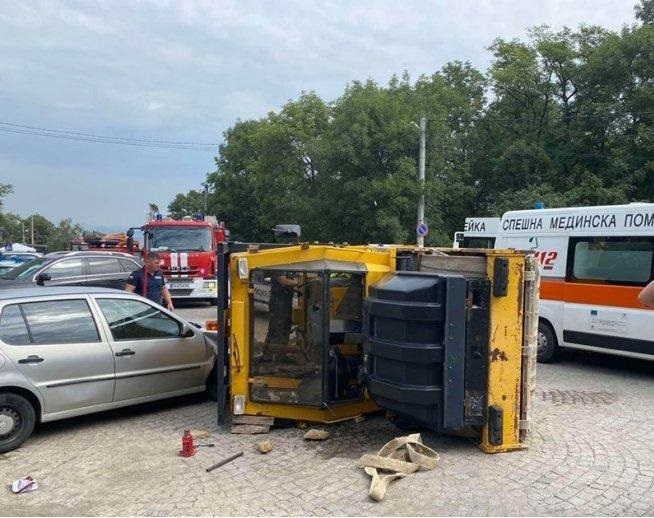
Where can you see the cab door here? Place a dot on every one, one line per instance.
(152, 357)
(56, 346)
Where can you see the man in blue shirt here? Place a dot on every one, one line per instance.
(149, 282)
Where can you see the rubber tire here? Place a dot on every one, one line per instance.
(24, 411)
(548, 347)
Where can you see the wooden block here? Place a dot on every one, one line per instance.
(253, 419)
(250, 428)
(199, 434)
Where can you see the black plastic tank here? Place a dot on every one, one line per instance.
(415, 324)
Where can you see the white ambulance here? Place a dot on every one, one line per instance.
(477, 233)
(594, 262)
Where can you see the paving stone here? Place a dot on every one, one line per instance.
(591, 454)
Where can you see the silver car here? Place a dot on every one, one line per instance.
(67, 351)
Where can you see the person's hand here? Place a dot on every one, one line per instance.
(170, 307)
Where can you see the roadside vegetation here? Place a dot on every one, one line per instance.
(17, 229)
(565, 117)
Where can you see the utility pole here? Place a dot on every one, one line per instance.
(206, 194)
(32, 221)
(420, 240)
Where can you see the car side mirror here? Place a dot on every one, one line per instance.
(42, 277)
(186, 330)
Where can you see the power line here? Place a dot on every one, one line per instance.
(9, 127)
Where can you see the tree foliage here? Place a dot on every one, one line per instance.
(564, 117)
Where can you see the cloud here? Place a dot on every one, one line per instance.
(186, 70)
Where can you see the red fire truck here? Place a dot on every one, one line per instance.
(188, 249)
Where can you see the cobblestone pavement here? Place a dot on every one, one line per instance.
(591, 454)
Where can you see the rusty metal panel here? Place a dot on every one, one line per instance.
(462, 264)
(529, 346)
(505, 361)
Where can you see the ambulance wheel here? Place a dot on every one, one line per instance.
(547, 344)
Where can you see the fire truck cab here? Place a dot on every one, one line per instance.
(188, 250)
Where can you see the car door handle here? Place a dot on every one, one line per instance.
(126, 352)
(32, 358)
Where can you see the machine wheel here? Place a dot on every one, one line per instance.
(547, 344)
(17, 420)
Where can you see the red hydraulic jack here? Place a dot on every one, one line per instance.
(188, 449)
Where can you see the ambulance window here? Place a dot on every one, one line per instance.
(478, 242)
(620, 260)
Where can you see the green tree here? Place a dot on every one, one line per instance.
(12, 228)
(370, 182)
(645, 11)
(268, 172)
(187, 204)
(62, 235)
(5, 190)
(563, 117)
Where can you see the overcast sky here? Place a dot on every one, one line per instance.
(185, 71)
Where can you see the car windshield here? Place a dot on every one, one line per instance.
(179, 239)
(5, 269)
(26, 269)
(20, 257)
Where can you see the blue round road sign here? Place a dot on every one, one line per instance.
(422, 230)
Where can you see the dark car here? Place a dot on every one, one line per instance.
(100, 269)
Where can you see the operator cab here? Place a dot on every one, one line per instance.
(307, 341)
